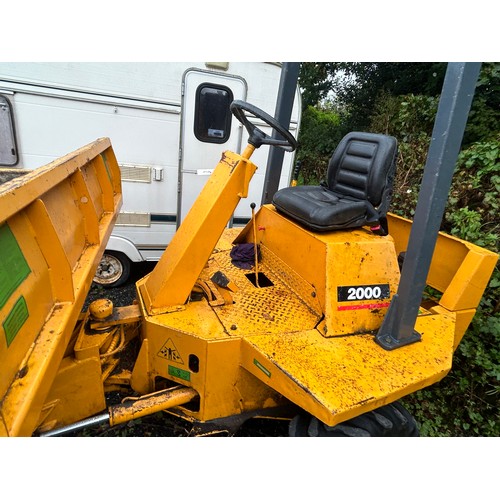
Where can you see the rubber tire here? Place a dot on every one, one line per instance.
(392, 420)
(124, 262)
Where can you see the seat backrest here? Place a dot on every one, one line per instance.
(363, 167)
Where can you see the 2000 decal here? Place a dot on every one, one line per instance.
(363, 292)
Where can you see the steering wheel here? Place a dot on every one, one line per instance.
(256, 136)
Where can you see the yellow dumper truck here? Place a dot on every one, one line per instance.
(306, 313)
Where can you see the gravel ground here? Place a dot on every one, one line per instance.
(123, 295)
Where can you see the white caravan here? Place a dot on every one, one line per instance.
(168, 124)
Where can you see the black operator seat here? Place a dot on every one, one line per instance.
(357, 191)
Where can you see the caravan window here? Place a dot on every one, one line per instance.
(212, 116)
(8, 150)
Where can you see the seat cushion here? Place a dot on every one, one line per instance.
(362, 166)
(319, 209)
(358, 191)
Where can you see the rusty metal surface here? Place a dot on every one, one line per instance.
(7, 174)
(132, 408)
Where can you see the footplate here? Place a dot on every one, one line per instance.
(339, 378)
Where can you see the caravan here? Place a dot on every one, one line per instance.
(167, 122)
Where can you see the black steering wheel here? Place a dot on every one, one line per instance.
(256, 136)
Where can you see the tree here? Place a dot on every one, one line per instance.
(315, 80)
(320, 132)
(340, 97)
(484, 117)
(355, 87)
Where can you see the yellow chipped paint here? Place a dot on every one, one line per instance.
(289, 341)
(306, 337)
(338, 378)
(61, 216)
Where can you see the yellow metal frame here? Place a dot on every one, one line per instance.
(459, 270)
(179, 267)
(276, 335)
(57, 220)
(251, 355)
(322, 356)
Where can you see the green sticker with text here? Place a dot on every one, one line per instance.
(179, 373)
(13, 266)
(15, 320)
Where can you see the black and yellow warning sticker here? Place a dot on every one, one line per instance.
(13, 266)
(170, 352)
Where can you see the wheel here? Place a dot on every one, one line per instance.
(392, 420)
(256, 136)
(113, 270)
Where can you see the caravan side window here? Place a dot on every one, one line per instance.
(8, 149)
(212, 116)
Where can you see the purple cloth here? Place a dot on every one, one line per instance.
(243, 255)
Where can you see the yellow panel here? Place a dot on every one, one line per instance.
(170, 284)
(330, 261)
(68, 223)
(60, 240)
(76, 393)
(36, 290)
(305, 252)
(470, 280)
(197, 331)
(462, 321)
(362, 277)
(341, 377)
(93, 186)
(459, 269)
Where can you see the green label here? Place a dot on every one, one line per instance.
(13, 266)
(260, 367)
(179, 373)
(15, 320)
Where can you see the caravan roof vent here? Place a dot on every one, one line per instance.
(217, 65)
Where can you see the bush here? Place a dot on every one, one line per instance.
(473, 206)
(410, 119)
(465, 403)
(319, 135)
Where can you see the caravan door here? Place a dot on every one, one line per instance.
(208, 128)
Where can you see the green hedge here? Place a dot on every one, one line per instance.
(465, 403)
